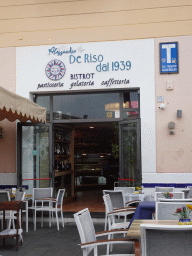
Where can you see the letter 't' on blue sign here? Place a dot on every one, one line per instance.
(169, 58)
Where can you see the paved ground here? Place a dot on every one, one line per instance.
(48, 241)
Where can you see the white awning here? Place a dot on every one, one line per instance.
(13, 106)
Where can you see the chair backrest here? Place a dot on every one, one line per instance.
(60, 196)
(126, 190)
(166, 240)
(117, 198)
(39, 193)
(4, 196)
(186, 200)
(85, 227)
(164, 189)
(176, 195)
(108, 203)
(19, 196)
(166, 210)
(190, 192)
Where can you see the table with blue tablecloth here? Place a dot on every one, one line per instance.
(144, 210)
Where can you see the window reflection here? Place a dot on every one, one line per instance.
(130, 100)
(44, 101)
(86, 106)
(131, 105)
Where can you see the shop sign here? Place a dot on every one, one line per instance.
(169, 58)
(88, 66)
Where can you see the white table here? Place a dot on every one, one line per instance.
(141, 197)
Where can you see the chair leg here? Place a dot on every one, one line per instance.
(34, 220)
(26, 218)
(49, 219)
(56, 213)
(42, 219)
(95, 251)
(63, 224)
(13, 223)
(105, 228)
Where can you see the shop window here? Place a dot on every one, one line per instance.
(131, 104)
(86, 106)
(44, 101)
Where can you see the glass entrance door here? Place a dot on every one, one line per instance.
(34, 156)
(130, 153)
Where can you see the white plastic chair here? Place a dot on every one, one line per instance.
(88, 236)
(39, 193)
(5, 196)
(19, 196)
(118, 202)
(166, 210)
(166, 240)
(190, 192)
(186, 200)
(111, 214)
(126, 190)
(176, 195)
(164, 189)
(55, 206)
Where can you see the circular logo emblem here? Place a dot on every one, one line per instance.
(55, 69)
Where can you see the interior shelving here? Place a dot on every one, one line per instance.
(92, 147)
(64, 159)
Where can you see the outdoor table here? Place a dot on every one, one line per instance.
(11, 206)
(144, 210)
(135, 232)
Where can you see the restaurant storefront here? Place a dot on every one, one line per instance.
(94, 94)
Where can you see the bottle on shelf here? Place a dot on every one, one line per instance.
(63, 166)
(58, 149)
(68, 165)
(62, 150)
(56, 166)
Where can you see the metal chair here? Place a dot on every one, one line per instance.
(39, 193)
(166, 240)
(5, 196)
(118, 202)
(111, 214)
(190, 192)
(125, 190)
(186, 200)
(88, 236)
(54, 206)
(176, 195)
(164, 189)
(165, 210)
(19, 196)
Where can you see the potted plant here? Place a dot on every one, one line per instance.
(184, 213)
(167, 195)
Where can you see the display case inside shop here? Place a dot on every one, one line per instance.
(64, 159)
(92, 147)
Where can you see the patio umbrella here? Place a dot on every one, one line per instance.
(13, 106)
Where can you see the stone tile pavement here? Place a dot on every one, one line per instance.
(47, 241)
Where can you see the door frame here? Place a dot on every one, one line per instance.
(138, 129)
(19, 151)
